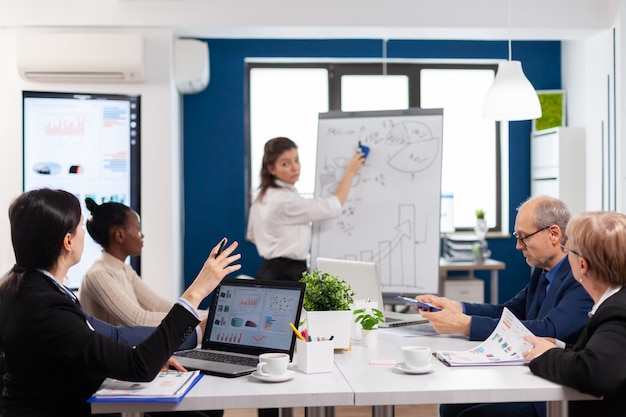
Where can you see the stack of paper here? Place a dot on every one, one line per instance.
(169, 386)
(503, 347)
(465, 247)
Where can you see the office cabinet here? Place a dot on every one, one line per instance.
(557, 166)
(471, 290)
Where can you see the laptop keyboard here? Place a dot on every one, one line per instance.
(219, 357)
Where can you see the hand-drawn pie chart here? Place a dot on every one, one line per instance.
(411, 147)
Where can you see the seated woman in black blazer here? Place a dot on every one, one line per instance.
(54, 358)
(595, 364)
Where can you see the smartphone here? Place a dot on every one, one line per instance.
(418, 304)
(221, 248)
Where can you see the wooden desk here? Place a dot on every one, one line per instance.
(491, 265)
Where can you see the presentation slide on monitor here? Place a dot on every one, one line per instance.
(81, 143)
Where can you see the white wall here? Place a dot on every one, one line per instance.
(578, 21)
(589, 73)
(160, 149)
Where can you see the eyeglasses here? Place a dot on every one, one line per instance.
(522, 239)
(566, 250)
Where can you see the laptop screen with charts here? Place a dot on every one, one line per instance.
(247, 317)
(363, 278)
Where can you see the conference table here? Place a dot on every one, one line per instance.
(367, 376)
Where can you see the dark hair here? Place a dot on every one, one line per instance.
(103, 218)
(273, 149)
(40, 220)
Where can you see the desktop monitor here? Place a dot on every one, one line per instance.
(87, 144)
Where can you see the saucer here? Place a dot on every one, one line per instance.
(271, 378)
(422, 370)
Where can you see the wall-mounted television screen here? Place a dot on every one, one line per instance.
(87, 144)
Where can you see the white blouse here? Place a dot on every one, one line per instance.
(280, 224)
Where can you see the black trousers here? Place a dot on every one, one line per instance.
(281, 269)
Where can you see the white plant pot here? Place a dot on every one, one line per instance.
(325, 324)
(370, 337)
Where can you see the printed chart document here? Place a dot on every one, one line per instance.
(503, 347)
(168, 386)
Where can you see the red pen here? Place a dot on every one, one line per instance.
(305, 334)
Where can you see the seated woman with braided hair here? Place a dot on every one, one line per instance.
(111, 290)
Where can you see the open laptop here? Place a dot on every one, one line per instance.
(365, 282)
(247, 317)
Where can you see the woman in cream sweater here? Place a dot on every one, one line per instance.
(111, 290)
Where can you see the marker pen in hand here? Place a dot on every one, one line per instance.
(364, 149)
(221, 248)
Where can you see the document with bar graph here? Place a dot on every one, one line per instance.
(503, 347)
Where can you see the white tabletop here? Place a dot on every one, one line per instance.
(386, 385)
(312, 390)
(355, 381)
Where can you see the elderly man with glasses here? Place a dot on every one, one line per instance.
(553, 304)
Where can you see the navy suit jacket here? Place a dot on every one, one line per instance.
(562, 315)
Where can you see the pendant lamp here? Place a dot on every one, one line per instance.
(511, 96)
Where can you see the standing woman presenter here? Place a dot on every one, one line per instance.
(280, 219)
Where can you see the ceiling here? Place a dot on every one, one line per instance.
(380, 19)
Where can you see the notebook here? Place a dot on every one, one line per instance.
(365, 282)
(247, 317)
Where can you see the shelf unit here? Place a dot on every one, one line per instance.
(557, 165)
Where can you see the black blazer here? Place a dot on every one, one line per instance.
(55, 360)
(595, 363)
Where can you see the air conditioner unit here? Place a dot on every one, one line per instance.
(191, 65)
(80, 57)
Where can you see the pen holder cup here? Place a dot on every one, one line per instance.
(315, 357)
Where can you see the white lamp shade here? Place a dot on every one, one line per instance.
(511, 96)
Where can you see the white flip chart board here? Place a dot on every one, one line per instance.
(391, 216)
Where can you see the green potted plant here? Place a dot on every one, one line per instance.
(481, 227)
(327, 302)
(326, 292)
(368, 318)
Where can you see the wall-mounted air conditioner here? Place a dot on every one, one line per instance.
(191, 65)
(80, 57)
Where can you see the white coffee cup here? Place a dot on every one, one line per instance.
(416, 356)
(272, 364)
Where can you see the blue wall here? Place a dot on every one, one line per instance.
(215, 150)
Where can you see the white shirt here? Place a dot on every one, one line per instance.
(280, 224)
(609, 292)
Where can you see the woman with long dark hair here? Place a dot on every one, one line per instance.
(280, 219)
(54, 359)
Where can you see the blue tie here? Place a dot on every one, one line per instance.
(541, 290)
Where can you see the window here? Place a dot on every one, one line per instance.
(285, 100)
